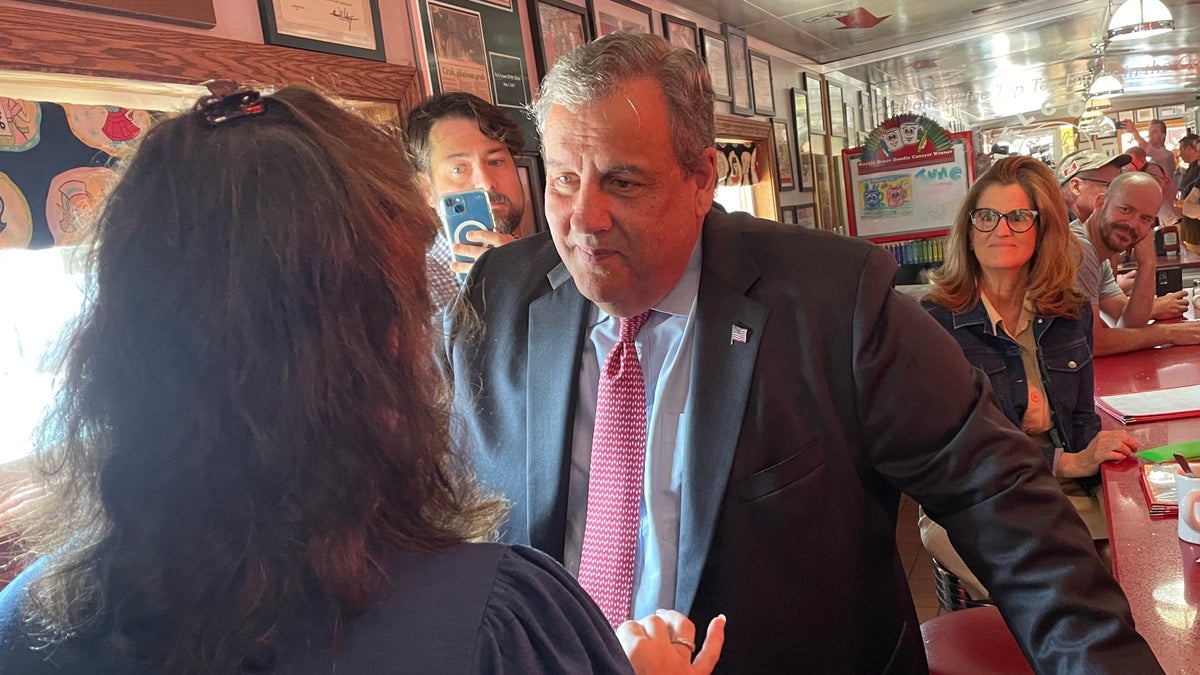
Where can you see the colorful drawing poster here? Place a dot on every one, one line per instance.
(916, 195)
(886, 196)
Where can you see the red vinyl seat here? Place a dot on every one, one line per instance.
(972, 641)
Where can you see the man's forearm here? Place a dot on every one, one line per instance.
(1120, 340)
(1141, 299)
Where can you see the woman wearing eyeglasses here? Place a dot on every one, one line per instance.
(1006, 292)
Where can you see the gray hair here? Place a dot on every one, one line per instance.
(596, 70)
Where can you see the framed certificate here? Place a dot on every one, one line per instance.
(346, 27)
(739, 70)
(783, 155)
(764, 85)
(716, 57)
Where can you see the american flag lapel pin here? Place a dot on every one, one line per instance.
(738, 334)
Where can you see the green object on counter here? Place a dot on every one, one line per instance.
(1166, 453)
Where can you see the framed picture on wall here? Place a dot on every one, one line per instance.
(806, 215)
(816, 110)
(1124, 115)
(350, 29)
(787, 215)
(619, 16)
(837, 112)
(460, 54)
(716, 56)
(681, 33)
(823, 192)
(739, 69)
(529, 169)
(1143, 115)
(1169, 112)
(558, 27)
(783, 155)
(804, 175)
(764, 86)
(851, 124)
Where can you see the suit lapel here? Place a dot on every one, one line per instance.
(553, 365)
(722, 369)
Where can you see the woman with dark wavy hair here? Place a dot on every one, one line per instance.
(1007, 294)
(248, 467)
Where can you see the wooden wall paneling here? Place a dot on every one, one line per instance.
(58, 43)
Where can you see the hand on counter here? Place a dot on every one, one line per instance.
(1182, 333)
(1107, 446)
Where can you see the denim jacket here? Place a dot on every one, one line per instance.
(1064, 353)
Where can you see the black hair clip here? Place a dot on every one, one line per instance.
(220, 108)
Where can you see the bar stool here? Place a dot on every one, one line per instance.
(972, 641)
(952, 593)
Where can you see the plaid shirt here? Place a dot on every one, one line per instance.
(443, 284)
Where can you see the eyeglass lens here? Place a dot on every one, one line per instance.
(1019, 220)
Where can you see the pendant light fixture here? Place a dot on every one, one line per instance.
(1106, 85)
(1136, 19)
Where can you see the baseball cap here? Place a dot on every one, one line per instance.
(1087, 160)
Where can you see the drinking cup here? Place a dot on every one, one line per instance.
(1188, 489)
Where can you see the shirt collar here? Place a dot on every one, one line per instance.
(995, 319)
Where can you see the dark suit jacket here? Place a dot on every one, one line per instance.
(799, 442)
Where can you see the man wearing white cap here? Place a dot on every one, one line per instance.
(1084, 175)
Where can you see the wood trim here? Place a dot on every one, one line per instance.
(60, 43)
(743, 127)
(766, 190)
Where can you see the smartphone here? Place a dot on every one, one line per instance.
(463, 212)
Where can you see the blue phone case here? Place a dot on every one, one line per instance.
(462, 212)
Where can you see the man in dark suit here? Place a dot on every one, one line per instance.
(791, 395)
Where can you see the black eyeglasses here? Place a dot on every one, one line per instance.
(1096, 180)
(1019, 220)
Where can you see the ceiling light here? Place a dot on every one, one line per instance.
(1136, 19)
(1106, 85)
(1098, 103)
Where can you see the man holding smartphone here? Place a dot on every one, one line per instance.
(459, 141)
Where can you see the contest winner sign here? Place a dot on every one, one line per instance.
(907, 180)
(905, 141)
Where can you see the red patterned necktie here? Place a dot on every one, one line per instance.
(615, 478)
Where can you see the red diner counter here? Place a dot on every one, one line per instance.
(1159, 572)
